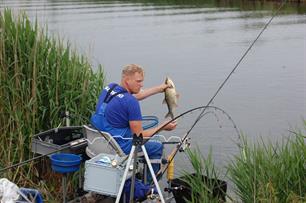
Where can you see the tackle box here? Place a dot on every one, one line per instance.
(103, 174)
(55, 139)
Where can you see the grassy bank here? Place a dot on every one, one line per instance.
(260, 173)
(271, 172)
(40, 76)
(292, 6)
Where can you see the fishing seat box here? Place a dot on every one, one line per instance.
(101, 177)
(60, 138)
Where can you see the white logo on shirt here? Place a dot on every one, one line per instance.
(113, 92)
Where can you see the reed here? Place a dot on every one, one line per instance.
(40, 76)
(205, 180)
(271, 172)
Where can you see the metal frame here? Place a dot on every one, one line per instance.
(137, 142)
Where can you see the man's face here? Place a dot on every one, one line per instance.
(135, 82)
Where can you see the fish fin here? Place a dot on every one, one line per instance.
(166, 79)
(169, 114)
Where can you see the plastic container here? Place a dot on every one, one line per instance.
(103, 177)
(59, 138)
(31, 194)
(65, 162)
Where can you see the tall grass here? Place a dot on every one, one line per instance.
(271, 172)
(260, 173)
(203, 189)
(40, 76)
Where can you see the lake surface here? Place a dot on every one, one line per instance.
(197, 44)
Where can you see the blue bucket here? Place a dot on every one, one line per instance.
(65, 162)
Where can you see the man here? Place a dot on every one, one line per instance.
(118, 111)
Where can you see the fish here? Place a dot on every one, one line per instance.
(171, 98)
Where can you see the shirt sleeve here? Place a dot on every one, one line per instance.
(134, 111)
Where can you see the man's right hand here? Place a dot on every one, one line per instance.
(170, 126)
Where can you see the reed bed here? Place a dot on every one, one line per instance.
(204, 180)
(271, 172)
(261, 172)
(40, 76)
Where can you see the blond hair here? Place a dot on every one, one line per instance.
(131, 69)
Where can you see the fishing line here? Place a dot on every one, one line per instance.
(219, 89)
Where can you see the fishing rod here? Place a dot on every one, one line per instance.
(179, 145)
(216, 93)
(72, 144)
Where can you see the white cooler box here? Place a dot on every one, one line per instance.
(102, 176)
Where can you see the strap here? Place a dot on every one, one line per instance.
(112, 96)
(109, 97)
(109, 91)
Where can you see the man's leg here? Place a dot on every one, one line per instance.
(155, 151)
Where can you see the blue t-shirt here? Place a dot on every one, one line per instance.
(120, 109)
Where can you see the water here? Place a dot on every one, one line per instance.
(197, 45)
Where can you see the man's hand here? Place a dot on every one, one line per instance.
(163, 87)
(170, 126)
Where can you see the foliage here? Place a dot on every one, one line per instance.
(40, 77)
(271, 173)
(260, 173)
(291, 6)
(204, 180)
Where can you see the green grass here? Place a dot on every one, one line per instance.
(202, 191)
(40, 76)
(262, 172)
(271, 172)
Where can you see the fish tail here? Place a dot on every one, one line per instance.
(169, 114)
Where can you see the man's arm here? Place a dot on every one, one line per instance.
(136, 128)
(150, 91)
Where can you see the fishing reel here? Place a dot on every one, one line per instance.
(152, 195)
(184, 144)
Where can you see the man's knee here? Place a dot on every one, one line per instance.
(155, 149)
